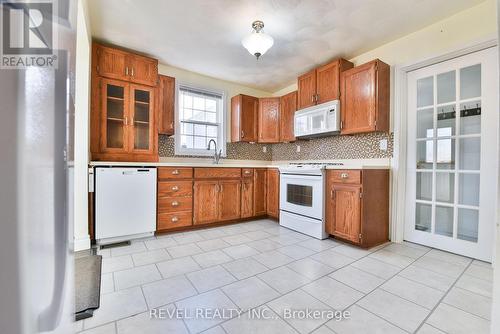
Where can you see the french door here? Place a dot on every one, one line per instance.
(452, 154)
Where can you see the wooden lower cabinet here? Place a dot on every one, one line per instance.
(199, 196)
(206, 202)
(175, 198)
(357, 205)
(273, 191)
(247, 206)
(260, 192)
(229, 200)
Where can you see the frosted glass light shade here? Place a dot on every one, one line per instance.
(257, 43)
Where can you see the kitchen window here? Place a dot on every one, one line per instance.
(200, 118)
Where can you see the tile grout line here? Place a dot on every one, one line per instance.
(385, 280)
(443, 297)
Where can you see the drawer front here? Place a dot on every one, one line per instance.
(173, 220)
(175, 189)
(173, 204)
(207, 173)
(247, 172)
(345, 176)
(175, 173)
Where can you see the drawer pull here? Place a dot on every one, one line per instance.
(175, 172)
(174, 219)
(175, 188)
(247, 172)
(175, 203)
(344, 175)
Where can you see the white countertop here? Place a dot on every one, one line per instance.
(199, 162)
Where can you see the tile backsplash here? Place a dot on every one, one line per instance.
(362, 146)
(237, 151)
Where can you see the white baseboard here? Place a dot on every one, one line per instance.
(82, 243)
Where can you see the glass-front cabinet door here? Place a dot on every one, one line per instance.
(451, 148)
(114, 116)
(141, 119)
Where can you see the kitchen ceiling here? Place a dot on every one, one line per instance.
(204, 36)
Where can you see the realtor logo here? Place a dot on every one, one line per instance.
(27, 34)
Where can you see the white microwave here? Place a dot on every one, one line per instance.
(320, 120)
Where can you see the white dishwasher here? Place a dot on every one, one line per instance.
(125, 203)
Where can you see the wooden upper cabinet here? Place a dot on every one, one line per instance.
(229, 200)
(260, 191)
(288, 106)
(244, 118)
(166, 105)
(306, 84)
(143, 70)
(114, 116)
(321, 84)
(111, 63)
(118, 64)
(273, 189)
(269, 120)
(328, 80)
(365, 98)
(206, 204)
(142, 124)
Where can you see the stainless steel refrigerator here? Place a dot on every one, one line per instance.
(36, 155)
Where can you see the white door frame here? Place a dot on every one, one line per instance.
(398, 161)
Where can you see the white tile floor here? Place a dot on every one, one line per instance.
(260, 266)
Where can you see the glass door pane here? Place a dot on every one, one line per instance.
(142, 118)
(447, 193)
(115, 118)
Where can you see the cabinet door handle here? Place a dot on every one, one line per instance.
(126, 70)
(175, 188)
(247, 172)
(125, 120)
(317, 97)
(242, 134)
(174, 219)
(175, 203)
(132, 72)
(332, 194)
(175, 172)
(220, 188)
(216, 188)
(312, 98)
(344, 175)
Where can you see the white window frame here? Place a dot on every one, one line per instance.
(221, 119)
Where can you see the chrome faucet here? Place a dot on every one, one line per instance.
(216, 155)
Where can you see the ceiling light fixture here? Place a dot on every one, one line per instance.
(258, 42)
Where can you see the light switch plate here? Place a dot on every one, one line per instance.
(383, 144)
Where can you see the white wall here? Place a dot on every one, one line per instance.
(202, 81)
(82, 123)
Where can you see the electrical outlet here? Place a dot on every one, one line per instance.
(298, 148)
(264, 149)
(383, 144)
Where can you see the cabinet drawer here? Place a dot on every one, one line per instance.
(175, 189)
(172, 204)
(207, 173)
(175, 173)
(172, 220)
(247, 172)
(345, 176)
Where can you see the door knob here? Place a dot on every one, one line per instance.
(175, 172)
(174, 219)
(344, 175)
(175, 188)
(175, 203)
